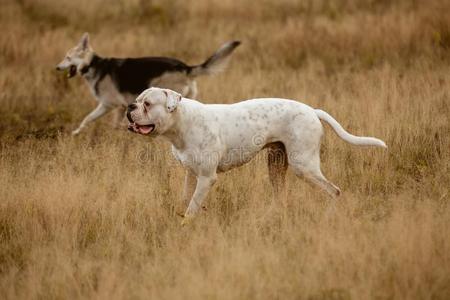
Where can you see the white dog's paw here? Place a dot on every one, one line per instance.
(187, 219)
(76, 132)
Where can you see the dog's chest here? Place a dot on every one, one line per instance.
(187, 159)
(105, 91)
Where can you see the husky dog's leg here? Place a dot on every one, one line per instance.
(99, 111)
(193, 92)
(119, 115)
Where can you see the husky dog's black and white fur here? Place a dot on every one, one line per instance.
(116, 82)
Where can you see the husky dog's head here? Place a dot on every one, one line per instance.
(152, 113)
(77, 57)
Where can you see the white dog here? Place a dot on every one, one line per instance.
(208, 139)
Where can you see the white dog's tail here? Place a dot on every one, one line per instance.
(350, 138)
(217, 62)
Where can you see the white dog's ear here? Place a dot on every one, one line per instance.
(173, 98)
(84, 42)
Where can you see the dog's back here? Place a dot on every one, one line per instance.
(133, 75)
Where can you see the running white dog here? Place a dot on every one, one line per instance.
(213, 138)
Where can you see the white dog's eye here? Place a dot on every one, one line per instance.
(146, 103)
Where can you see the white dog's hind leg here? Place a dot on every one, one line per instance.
(308, 166)
(317, 177)
(277, 164)
(204, 184)
(99, 111)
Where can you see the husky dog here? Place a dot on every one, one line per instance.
(116, 82)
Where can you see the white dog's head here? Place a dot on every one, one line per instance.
(152, 112)
(77, 57)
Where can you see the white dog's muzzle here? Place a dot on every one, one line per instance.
(138, 128)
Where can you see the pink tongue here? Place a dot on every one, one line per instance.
(145, 129)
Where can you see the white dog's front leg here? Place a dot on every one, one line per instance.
(204, 184)
(190, 182)
(99, 111)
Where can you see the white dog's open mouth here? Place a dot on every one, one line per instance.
(142, 129)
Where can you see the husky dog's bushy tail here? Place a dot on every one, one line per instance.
(349, 138)
(217, 62)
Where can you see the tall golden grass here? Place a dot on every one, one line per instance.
(95, 216)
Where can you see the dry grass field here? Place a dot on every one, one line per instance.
(95, 216)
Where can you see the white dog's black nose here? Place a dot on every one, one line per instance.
(58, 68)
(130, 108)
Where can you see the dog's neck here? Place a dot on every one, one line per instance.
(175, 134)
(92, 60)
